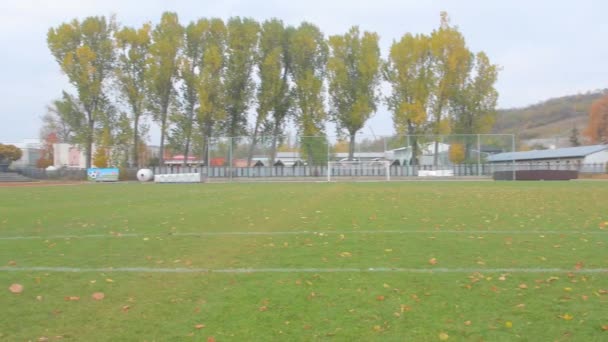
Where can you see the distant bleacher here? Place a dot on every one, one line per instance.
(6, 177)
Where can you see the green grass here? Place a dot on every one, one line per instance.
(326, 237)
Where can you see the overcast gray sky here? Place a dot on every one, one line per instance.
(546, 48)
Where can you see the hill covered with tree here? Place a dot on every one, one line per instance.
(552, 118)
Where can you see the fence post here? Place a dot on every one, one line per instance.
(478, 155)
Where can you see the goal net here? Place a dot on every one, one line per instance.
(358, 170)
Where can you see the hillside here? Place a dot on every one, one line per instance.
(548, 119)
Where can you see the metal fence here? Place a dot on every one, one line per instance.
(62, 173)
(486, 170)
(319, 173)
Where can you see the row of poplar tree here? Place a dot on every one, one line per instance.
(244, 78)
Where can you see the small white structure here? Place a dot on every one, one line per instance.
(435, 173)
(178, 178)
(145, 175)
(426, 154)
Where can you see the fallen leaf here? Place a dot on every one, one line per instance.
(579, 265)
(38, 298)
(12, 263)
(567, 317)
(467, 323)
(98, 296)
(16, 288)
(210, 339)
(199, 326)
(263, 308)
(72, 298)
(377, 328)
(443, 336)
(523, 286)
(567, 289)
(605, 327)
(433, 261)
(346, 254)
(108, 280)
(380, 298)
(502, 278)
(508, 324)
(126, 308)
(520, 306)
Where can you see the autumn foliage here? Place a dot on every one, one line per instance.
(46, 155)
(456, 153)
(9, 153)
(597, 128)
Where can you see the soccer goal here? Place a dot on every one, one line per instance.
(359, 170)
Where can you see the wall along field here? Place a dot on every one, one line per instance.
(343, 261)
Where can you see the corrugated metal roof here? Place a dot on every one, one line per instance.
(568, 152)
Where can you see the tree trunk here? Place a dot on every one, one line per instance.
(273, 149)
(89, 143)
(136, 141)
(253, 142)
(161, 158)
(351, 146)
(411, 131)
(186, 151)
(309, 149)
(206, 131)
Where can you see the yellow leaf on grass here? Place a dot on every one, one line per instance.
(199, 326)
(523, 286)
(346, 254)
(443, 336)
(508, 324)
(433, 261)
(567, 317)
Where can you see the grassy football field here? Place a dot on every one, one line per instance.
(390, 261)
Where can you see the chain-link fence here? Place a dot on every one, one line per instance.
(298, 158)
(307, 158)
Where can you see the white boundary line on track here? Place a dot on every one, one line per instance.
(299, 270)
(307, 232)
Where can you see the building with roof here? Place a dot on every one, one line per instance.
(31, 150)
(562, 158)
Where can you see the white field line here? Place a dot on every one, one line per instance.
(299, 270)
(307, 232)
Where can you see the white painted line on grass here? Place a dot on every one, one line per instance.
(308, 232)
(299, 270)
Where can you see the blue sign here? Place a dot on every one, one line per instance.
(103, 175)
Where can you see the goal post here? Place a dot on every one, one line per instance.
(352, 170)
